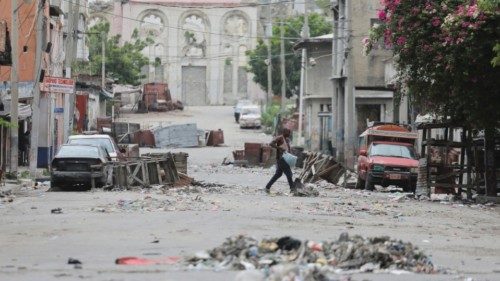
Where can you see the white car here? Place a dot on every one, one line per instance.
(237, 108)
(250, 116)
(105, 141)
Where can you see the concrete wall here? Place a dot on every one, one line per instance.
(368, 71)
(318, 91)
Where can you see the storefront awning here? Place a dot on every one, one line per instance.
(24, 110)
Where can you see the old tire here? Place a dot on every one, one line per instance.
(360, 183)
(369, 183)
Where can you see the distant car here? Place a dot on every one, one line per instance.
(103, 140)
(250, 117)
(74, 166)
(237, 108)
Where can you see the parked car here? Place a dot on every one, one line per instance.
(250, 116)
(75, 165)
(387, 157)
(237, 108)
(105, 141)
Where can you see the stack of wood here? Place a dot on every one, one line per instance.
(149, 170)
(318, 166)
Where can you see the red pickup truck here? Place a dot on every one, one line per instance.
(387, 157)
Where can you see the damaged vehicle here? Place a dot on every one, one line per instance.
(77, 166)
(105, 141)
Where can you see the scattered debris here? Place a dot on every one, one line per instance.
(77, 264)
(74, 261)
(56, 211)
(144, 261)
(306, 191)
(348, 253)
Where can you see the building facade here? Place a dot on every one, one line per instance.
(361, 92)
(199, 47)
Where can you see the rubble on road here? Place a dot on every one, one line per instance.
(309, 190)
(190, 198)
(6, 196)
(152, 204)
(348, 253)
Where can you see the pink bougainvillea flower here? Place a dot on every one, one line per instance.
(382, 15)
(461, 10)
(436, 22)
(471, 11)
(401, 40)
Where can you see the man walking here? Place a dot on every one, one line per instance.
(282, 145)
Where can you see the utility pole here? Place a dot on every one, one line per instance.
(350, 101)
(283, 74)
(35, 120)
(73, 15)
(305, 35)
(335, 77)
(14, 101)
(339, 78)
(103, 60)
(269, 34)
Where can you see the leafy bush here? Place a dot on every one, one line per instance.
(270, 114)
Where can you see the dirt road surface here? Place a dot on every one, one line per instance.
(98, 227)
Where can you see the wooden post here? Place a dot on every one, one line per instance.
(489, 162)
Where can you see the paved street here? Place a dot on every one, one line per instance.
(98, 227)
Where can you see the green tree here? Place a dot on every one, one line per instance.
(444, 51)
(318, 25)
(123, 61)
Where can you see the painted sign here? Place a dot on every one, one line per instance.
(58, 85)
(58, 110)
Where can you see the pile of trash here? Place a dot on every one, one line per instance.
(347, 254)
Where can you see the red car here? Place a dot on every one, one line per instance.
(387, 157)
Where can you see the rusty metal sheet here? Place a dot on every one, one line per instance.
(215, 138)
(145, 138)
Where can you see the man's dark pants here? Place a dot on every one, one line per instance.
(281, 167)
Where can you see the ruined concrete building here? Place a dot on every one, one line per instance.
(199, 46)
